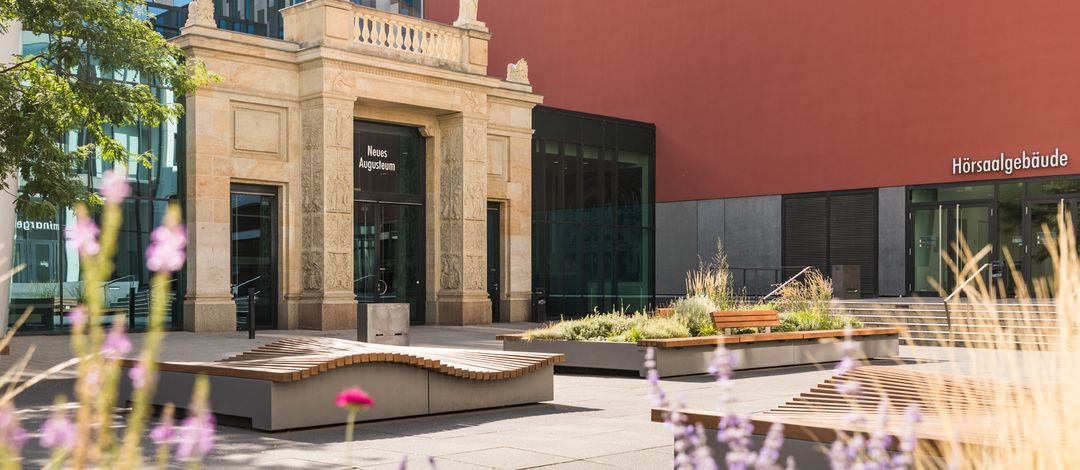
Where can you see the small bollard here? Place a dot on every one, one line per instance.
(131, 308)
(251, 313)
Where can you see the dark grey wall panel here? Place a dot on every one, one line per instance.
(676, 245)
(892, 243)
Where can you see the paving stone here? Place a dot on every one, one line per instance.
(508, 458)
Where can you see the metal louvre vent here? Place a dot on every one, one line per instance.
(805, 233)
(834, 229)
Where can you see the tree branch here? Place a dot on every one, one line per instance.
(21, 63)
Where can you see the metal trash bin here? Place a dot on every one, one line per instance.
(539, 305)
(846, 281)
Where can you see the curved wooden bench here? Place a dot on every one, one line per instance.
(966, 410)
(726, 320)
(291, 383)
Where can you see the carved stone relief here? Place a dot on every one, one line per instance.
(337, 238)
(450, 278)
(312, 273)
(311, 184)
(338, 271)
(474, 103)
(450, 241)
(474, 274)
(311, 126)
(518, 72)
(476, 196)
(339, 193)
(475, 238)
(339, 128)
(450, 179)
(475, 140)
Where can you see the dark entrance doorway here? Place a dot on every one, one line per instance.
(253, 249)
(493, 251)
(1041, 229)
(388, 215)
(389, 249)
(936, 233)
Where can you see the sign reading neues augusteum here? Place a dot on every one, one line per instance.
(1007, 164)
(376, 161)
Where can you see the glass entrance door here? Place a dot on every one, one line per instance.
(389, 255)
(936, 232)
(254, 256)
(493, 251)
(1041, 229)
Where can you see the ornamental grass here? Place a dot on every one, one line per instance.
(1028, 367)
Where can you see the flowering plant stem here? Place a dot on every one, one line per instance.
(349, 426)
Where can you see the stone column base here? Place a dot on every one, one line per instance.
(209, 314)
(328, 314)
(464, 310)
(517, 308)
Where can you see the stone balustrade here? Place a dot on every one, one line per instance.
(381, 29)
(344, 25)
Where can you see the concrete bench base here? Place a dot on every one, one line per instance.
(398, 391)
(692, 360)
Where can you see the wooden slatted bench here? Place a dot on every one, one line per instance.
(688, 356)
(965, 410)
(291, 383)
(725, 321)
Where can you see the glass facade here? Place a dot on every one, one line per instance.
(1016, 218)
(259, 17)
(50, 281)
(593, 195)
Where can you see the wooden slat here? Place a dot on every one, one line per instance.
(299, 358)
(955, 408)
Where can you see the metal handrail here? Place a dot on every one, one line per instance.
(236, 288)
(121, 278)
(945, 301)
(789, 281)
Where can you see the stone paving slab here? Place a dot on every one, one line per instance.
(594, 422)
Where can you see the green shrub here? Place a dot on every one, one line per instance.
(695, 312)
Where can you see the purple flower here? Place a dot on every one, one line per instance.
(166, 251)
(404, 462)
(138, 375)
(769, 454)
(78, 317)
(82, 235)
(196, 437)
(58, 431)
(116, 343)
(12, 434)
(163, 432)
(114, 186)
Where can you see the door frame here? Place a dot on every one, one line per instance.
(496, 302)
(952, 211)
(275, 248)
(421, 315)
(1072, 202)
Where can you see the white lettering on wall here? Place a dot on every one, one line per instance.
(35, 225)
(1007, 165)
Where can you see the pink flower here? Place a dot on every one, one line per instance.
(12, 434)
(354, 399)
(114, 186)
(138, 376)
(163, 432)
(78, 317)
(58, 431)
(116, 342)
(166, 251)
(196, 437)
(83, 236)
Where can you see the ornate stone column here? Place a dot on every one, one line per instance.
(327, 301)
(462, 298)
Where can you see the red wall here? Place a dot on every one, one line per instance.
(754, 97)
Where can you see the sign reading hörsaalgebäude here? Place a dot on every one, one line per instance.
(1007, 164)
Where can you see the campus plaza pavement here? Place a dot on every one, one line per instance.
(599, 422)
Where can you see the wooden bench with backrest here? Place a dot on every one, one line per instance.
(291, 383)
(726, 321)
(966, 410)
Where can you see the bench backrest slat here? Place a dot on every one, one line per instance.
(745, 319)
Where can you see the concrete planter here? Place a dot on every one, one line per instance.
(691, 360)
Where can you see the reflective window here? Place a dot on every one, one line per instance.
(592, 212)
